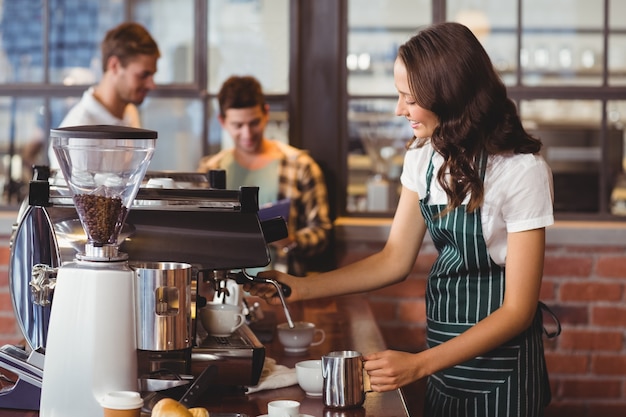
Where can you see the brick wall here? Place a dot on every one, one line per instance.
(585, 287)
(9, 330)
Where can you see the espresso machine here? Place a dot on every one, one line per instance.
(185, 232)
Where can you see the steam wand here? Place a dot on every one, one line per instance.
(281, 289)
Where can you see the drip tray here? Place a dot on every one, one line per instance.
(239, 358)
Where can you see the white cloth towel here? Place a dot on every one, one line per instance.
(274, 376)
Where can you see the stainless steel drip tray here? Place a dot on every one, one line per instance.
(160, 384)
(239, 358)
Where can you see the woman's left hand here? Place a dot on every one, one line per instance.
(391, 369)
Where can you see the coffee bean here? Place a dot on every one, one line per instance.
(102, 216)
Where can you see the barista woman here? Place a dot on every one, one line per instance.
(474, 179)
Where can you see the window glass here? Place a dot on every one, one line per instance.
(21, 52)
(616, 116)
(21, 143)
(179, 124)
(617, 59)
(76, 29)
(494, 22)
(171, 23)
(617, 43)
(249, 37)
(617, 11)
(576, 14)
(572, 136)
(376, 147)
(375, 30)
(567, 50)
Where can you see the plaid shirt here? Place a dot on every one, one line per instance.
(302, 181)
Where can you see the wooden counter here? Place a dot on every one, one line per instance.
(349, 325)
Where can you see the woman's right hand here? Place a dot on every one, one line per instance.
(268, 291)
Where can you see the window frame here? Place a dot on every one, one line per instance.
(317, 102)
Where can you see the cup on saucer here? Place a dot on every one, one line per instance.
(220, 319)
(299, 338)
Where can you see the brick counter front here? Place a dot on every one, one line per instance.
(584, 283)
(9, 330)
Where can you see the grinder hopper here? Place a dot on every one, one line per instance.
(103, 167)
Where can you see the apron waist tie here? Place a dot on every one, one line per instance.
(550, 334)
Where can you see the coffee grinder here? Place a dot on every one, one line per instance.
(91, 348)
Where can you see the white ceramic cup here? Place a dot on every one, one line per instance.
(283, 408)
(309, 375)
(161, 183)
(122, 404)
(300, 337)
(220, 319)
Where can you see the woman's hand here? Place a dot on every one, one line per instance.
(392, 369)
(268, 291)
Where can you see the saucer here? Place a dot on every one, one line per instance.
(296, 350)
(301, 415)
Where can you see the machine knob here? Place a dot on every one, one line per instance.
(44, 279)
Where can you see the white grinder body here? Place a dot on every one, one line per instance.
(91, 347)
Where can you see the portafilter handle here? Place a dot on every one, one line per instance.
(242, 277)
(282, 290)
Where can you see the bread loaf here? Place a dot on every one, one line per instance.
(168, 407)
(199, 412)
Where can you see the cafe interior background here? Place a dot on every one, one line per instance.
(326, 66)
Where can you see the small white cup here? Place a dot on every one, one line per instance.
(221, 320)
(309, 375)
(300, 337)
(283, 408)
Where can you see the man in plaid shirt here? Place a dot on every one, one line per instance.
(279, 170)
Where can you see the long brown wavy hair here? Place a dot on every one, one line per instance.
(450, 74)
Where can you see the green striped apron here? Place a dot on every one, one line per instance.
(464, 287)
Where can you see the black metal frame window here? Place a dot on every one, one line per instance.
(49, 55)
(568, 78)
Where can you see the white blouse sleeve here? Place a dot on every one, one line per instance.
(529, 202)
(414, 169)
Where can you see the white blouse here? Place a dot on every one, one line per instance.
(518, 193)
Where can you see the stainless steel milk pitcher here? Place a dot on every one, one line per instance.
(163, 305)
(343, 379)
